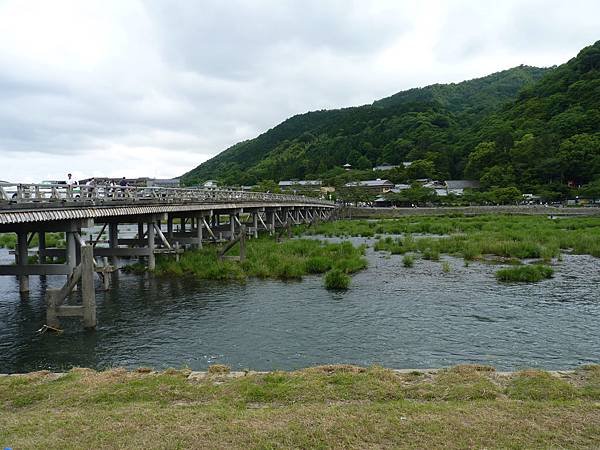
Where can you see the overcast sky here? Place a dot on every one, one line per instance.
(154, 88)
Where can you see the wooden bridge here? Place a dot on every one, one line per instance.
(168, 220)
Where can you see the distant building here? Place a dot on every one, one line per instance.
(457, 187)
(407, 164)
(375, 186)
(386, 166)
(164, 182)
(137, 182)
(300, 185)
(438, 186)
(347, 166)
(210, 184)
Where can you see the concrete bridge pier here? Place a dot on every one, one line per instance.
(170, 227)
(232, 226)
(271, 221)
(255, 223)
(151, 245)
(41, 247)
(113, 242)
(199, 228)
(21, 258)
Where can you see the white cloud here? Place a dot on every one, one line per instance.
(155, 87)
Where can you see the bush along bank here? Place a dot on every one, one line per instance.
(266, 258)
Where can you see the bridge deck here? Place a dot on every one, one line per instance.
(24, 203)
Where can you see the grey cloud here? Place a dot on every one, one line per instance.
(236, 39)
(195, 77)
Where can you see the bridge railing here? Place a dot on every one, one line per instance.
(99, 194)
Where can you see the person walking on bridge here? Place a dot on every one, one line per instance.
(70, 181)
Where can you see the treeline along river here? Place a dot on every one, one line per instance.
(398, 317)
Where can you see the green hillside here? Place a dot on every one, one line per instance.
(537, 129)
(549, 137)
(411, 125)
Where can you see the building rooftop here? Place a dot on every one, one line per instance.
(386, 166)
(369, 183)
(286, 183)
(462, 184)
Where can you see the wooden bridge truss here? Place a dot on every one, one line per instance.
(168, 222)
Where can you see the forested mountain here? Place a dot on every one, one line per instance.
(549, 137)
(528, 127)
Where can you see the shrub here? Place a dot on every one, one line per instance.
(408, 260)
(336, 279)
(525, 274)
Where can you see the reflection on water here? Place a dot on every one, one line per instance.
(393, 316)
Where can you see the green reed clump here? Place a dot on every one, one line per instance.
(431, 254)
(525, 273)
(446, 267)
(408, 261)
(336, 279)
(317, 264)
(266, 258)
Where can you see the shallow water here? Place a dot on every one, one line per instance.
(397, 317)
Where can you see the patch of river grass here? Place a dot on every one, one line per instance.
(525, 273)
(473, 237)
(266, 258)
(336, 279)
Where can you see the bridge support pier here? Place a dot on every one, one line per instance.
(21, 259)
(113, 242)
(83, 274)
(170, 227)
(255, 224)
(199, 226)
(151, 246)
(232, 226)
(42, 247)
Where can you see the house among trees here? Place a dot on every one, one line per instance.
(457, 187)
(373, 186)
(300, 185)
(438, 186)
(386, 166)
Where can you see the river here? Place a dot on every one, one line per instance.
(393, 316)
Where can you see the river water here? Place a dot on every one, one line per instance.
(397, 317)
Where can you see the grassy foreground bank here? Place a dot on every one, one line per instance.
(322, 407)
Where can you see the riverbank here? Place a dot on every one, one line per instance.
(320, 407)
